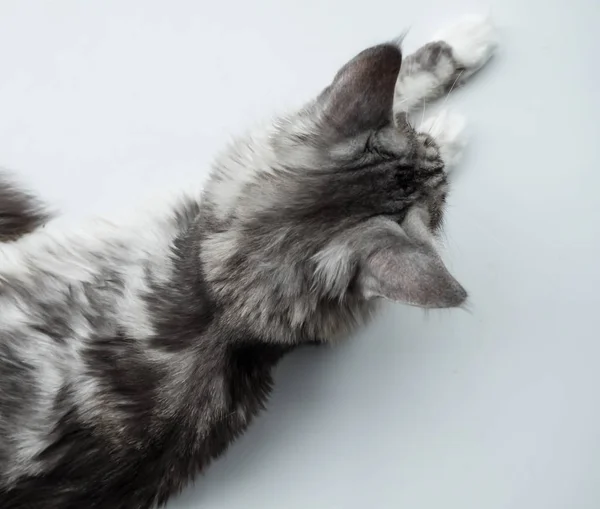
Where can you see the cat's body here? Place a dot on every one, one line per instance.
(131, 355)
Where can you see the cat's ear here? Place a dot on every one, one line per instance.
(383, 259)
(401, 263)
(361, 95)
(411, 273)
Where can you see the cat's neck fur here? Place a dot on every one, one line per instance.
(256, 261)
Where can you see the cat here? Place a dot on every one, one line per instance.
(131, 355)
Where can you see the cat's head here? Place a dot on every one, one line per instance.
(330, 208)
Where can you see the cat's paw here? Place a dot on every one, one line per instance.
(449, 132)
(473, 42)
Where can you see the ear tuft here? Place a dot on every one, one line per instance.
(362, 93)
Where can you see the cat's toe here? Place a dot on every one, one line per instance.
(473, 42)
(448, 129)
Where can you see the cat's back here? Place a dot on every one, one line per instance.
(74, 327)
(61, 291)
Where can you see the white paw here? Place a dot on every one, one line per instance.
(473, 41)
(448, 131)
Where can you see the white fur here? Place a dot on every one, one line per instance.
(473, 41)
(413, 88)
(237, 166)
(448, 130)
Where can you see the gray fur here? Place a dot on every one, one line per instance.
(131, 355)
(20, 211)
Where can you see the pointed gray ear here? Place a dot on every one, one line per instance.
(403, 270)
(362, 93)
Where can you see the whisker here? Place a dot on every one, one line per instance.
(446, 98)
(399, 103)
(453, 85)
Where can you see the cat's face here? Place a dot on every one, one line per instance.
(338, 203)
(416, 156)
(358, 108)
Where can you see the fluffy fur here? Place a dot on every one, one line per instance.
(133, 354)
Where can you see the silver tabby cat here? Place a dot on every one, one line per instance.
(133, 354)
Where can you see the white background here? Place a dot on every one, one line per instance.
(105, 102)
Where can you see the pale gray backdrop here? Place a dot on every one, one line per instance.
(102, 103)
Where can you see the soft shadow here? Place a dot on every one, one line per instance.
(299, 382)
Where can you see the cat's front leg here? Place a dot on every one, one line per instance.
(456, 53)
